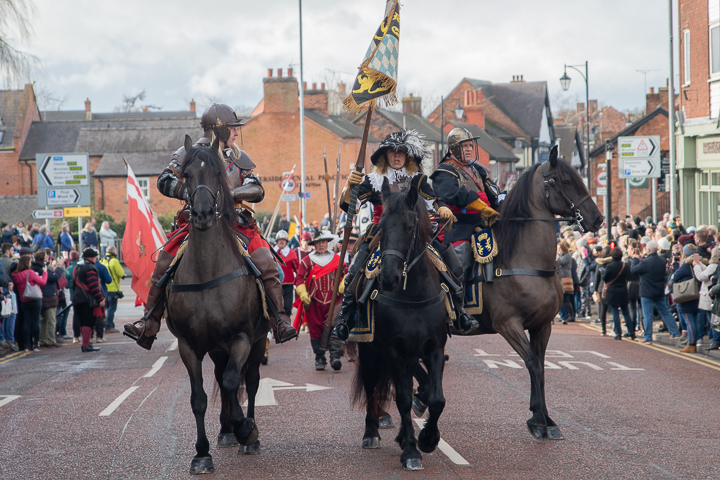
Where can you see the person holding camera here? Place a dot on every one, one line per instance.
(113, 288)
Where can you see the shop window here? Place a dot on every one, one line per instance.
(705, 180)
(716, 179)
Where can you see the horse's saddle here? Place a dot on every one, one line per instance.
(485, 249)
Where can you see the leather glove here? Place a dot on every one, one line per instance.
(484, 209)
(341, 287)
(303, 294)
(356, 178)
(446, 214)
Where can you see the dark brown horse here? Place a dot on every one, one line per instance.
(514, 303)
(222, 320)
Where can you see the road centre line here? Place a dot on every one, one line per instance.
(156, 366)
(450, 452)
(173, 346)
(5, 399)
(669, 351)
(116, 403)
(14, 356)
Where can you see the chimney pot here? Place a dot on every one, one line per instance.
(192, 105)
(269, 72)
(341, 87)
(304, 85)
(322, 86)
(290, 72)
(314, 86)
(145, 109)
(522, 78)
(652, 89)
(88, 112)
(279, 72)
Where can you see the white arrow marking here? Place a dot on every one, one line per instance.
(570, 366)
(265, 396)
(593, 352)
(454, 456)
(483, 353)
(156, 366)
(7, 399)
(173, 346)
(557, 354)
(506, 363)
(116, 403)
(623, 367)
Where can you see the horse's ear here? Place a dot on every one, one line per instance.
(385, 190)
(412, 197)
(188, 143)
(553, 156)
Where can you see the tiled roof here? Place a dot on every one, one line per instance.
(522, 101)
(18, 208)
(143, 164)
(99, 141)
(412, 122)
(11, 103)
(338, 125)
(487, 142)
(79, 115)
(569, 141)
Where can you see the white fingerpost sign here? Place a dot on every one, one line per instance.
(63, 179)
(639, 157)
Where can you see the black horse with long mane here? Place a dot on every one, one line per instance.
(526, 294)
(410, 324)
(215, 308)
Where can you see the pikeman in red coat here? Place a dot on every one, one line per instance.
(289, 270)
(314, 287)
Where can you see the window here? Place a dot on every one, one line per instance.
(144, 183)
(518, 145)
(2, 135)
(686, 50)
(715, 49)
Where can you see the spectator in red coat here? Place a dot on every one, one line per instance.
(31, 307)
(289, 270)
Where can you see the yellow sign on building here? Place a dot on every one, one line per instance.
(77, 212)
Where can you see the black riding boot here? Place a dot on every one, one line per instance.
(466, 323)
(345, 321)
(336, 352)
(320, 360)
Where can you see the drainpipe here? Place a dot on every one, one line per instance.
(102, 193)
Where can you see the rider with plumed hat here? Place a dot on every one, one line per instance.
(220, 128)
(465, 187)
(398, 160)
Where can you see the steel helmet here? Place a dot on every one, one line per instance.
(281, 235)
(456, 137)
(218, 117)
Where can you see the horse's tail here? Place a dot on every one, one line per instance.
(382, 386)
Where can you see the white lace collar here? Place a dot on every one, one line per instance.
(393, 176)
(321, 259)
(284, 252)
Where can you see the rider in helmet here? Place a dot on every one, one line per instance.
(399, 160)
(465, 187)
(220, 128)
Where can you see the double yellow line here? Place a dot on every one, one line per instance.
(13, 356)
(670, 351)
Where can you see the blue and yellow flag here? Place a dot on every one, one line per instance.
(376, 81)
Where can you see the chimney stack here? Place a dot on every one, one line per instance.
(314, 86)
(88, 112)
(279, 72)
(322, 86)
(280, 94)
(269, 72)
(290, 72)
(192, 105)
(474, 109)
(412, 105)
(341, 87)
(580, 107)
(145, 109)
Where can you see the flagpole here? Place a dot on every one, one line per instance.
(359, 165)
(302, 126)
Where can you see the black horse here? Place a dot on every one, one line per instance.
(410, 324)
(518, 301)
(223, 320)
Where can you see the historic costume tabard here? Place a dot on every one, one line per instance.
(317, 273)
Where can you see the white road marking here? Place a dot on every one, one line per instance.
(570, 366)
(116, 403)
(450, 452)
(265, 396)
(483, 353)
(506, 363)
(173, 346)
(623, 367)
(593, 352)
(5, 399)
(156, 366)
(557, 354)
(551, 366)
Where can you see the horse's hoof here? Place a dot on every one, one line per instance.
(446, 357)
(252, 434)
(428, 442)
(371, 442)
(553, 433)
(253, 449)
(412, 464)
(264, 360)
(386, 421)
(201, 465)
(536, 430)
(225, 440)
(418, 406)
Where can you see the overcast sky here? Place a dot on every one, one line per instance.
(220, 51)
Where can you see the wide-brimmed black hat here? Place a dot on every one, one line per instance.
(26, 251)
(89, 253)
(324, 235)
(408, 141)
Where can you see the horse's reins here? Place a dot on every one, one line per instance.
(576, 208)
(405, 258)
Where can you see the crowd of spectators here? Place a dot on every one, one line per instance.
(644, 271)
(44, 279)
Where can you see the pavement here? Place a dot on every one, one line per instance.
(626, 410)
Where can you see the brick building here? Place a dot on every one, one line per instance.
(18, 109)
(272, 139)
(698, 135)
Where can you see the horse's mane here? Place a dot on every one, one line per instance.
(226, 204)
(396, 203)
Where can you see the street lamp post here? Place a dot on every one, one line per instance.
(565, 84)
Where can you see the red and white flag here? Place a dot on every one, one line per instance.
(143, 235)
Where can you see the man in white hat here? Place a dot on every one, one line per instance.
(314, 286)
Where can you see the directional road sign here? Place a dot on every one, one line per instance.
(48, 214)
(639, 157)
(77, 212)
(63, 179)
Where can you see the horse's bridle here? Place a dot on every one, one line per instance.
(405, 258)
(550, 182)
(214, 196)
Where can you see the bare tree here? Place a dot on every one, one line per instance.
(129, 102)
(48, 99)
(15, 65)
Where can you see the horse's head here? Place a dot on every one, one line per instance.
(208, 191)
(566, 194)
(405, 228)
